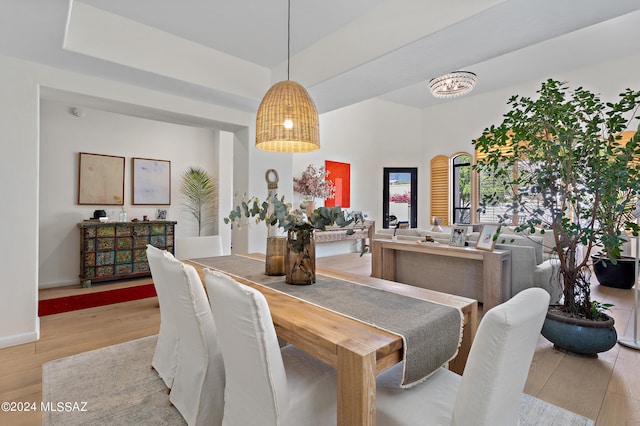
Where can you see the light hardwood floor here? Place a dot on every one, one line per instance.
(606, 389)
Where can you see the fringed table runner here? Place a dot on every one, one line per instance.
(431, 332)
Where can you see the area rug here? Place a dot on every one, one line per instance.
(119, 387)
(90, 300)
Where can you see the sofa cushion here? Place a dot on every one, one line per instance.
(527, 241)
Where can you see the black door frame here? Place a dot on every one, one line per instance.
(413, 171)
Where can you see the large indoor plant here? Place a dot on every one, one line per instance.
(554, 160)
(617, 203)
(199, 193)
(299, 227)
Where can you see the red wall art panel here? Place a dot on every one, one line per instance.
(340, 176)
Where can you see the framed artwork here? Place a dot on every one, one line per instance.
(340, 176)
(487, 240)
(100, 179)
(151, 181)
(458, 236)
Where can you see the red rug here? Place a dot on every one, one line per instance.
(90, 300)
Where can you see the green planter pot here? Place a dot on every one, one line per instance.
(579, 336)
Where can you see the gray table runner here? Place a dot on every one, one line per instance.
(431, 332)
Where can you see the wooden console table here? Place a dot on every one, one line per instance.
(116, 250)
(495, 267)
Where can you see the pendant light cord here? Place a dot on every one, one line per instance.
(288, 37)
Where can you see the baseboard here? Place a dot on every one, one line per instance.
(58, 284)
(20, 339)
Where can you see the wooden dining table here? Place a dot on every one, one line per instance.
(358, 351)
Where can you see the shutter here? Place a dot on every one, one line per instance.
(440, 189)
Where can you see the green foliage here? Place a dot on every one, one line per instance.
(275, 212)
(200, 194)
(597, 309)
(574, 177)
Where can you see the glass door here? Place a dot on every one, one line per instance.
(400, 196)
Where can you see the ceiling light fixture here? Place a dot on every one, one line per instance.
(454, 84)
(287, 119)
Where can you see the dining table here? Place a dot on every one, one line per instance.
(357, 349)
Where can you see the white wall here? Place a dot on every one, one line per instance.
(369, 135)
(20, 84)
(63, 136)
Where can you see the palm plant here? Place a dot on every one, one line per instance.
(200, 193)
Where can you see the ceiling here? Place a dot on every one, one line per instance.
(229, 52)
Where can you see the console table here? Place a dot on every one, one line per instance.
(362, 231)
(464, 271)
(116, 250)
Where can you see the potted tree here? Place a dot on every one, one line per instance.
(618, 201)
(199, 192)
(554, 159)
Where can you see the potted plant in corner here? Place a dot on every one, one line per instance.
(617, 203)
(199, 192)
(299, 226)
(554, 158)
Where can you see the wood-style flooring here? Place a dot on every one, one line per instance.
(606, 388)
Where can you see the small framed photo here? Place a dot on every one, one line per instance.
(487, 238)
(458, 236)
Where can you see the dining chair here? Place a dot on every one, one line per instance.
(198, 385)
(165, 356)
(265, 385)
(489, 391)
(196, 247)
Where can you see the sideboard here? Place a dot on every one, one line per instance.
(464, 271)
(116, 250)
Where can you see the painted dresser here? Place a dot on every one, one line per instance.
(116, 250)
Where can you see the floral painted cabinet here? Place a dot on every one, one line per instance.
(116, 250)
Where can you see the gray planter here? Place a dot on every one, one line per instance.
(579, 336)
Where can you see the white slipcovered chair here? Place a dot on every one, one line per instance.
(489, 391)
(165, 357)
(264, 384)
(198, 385)
(196, 247)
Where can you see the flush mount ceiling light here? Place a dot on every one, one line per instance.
(287, 119)
(454, 84)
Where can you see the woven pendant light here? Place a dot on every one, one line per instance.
(287, 119)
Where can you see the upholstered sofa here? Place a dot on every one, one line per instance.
(530, 266)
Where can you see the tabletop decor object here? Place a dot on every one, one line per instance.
(299, 226)
(313, 184)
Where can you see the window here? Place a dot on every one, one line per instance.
(461, 195)
(490, 185)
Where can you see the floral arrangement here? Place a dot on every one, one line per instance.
(400, 198)
(284, 216)
(313, 183)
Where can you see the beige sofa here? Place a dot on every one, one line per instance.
(530, 266)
